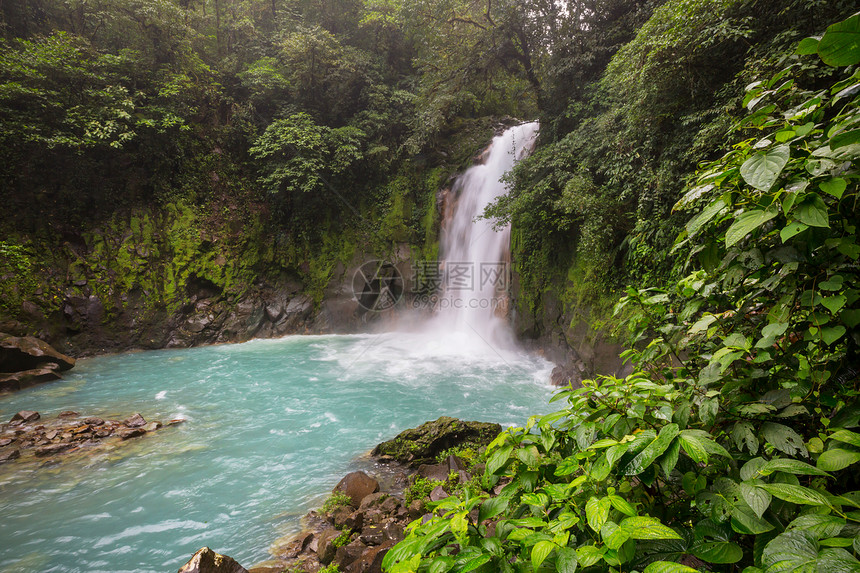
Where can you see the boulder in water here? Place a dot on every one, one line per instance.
(208, 561)
(423, 444)
(135, 421)
(357, 485)
(23, 417)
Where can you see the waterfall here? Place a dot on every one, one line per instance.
(474, 258)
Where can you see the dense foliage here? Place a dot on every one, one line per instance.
(734, 446)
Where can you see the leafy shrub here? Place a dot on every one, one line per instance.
(336, 500)
(733, 445)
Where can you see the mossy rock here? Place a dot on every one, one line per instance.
(421, 445)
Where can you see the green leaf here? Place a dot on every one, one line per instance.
(812, 211)
(441, 564)
(820, 526)
(783, 438)
(475, 562)
(808, 46)
(796, 467)
(762, 169)
(840, 44)
(791, 551)
(597, 512)
(541, 551)
(792, 229)
(844, 139)
(835, 186)
(613, 535)
(529, 455)
(847, 437)
(669, 459)
(757, 498)
(647, 528)
(653, 450)
(566, 561)
(718, 552)
(834, 303)
(830, 334)
(708, 213)
(837, 459)
(622, 505)
(588, 555)
(492, 507)
(498, 459)
(743, 435)
(668, 567)
(747, 222)
(795, 494)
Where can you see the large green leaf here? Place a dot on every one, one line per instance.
(840, 44)
(746, 223)
(847, 437)
(708, 213)
(791, 551)
(812, 211)
(783, 438)
(837, 459)
(597, 512)
(652, 451)
(762, 169)
(647, 528)
(566, 561)
(492, 507)
(541, 551)
(668, 567)
(796, 467)
(795, 494)
(498, 458)
(821, 526)
(718, 552)
(757, 498)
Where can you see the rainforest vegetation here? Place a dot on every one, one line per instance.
(697, 157)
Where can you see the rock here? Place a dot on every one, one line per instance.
(348, 554)
(176, 422)
(421, 445)
(10, 382)
(207, 561)
(9, 455)
(152, 426)
(438, 493)
(94, 421)
(104, 432)
(23, 417)
(26, 353)
(436, 472)
(325, 546)
(357, 485)
(393, 532)
(68, 414)
(129, 433)
(5, 442)
(54, 449)
(416, 509)
(135, 421)
(51, 435)
(455, 464)
(372, 535)
(371, 560)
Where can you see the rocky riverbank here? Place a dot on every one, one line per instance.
(28, 436)
(366, 515)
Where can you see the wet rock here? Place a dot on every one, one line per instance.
(393, 532)
(416, 509)
(94, 421)
(26, 353)
(23, 417)
(135, 421)
(175, 422)
(131, 433)
(372, 535)
(19, 380)
(51, 434)
(423, 444)
(357, 485)
(5, 442)
(54, 449)
(325, 545)
(9, 455)
(208, 561)
(104, 432)
(152, 426)
(68, 414)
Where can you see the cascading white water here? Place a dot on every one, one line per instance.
(475, 257)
